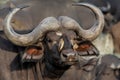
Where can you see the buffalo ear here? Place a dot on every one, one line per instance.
(32, 54)
(86, 48)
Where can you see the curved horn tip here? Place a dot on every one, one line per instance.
(96, 29)
(49, 23)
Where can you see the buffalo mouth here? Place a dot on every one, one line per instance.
(68, 63)
(71, 62)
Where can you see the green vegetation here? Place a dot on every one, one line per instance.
(3, 2)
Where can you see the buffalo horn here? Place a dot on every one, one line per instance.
(48, 24)
(89, 34)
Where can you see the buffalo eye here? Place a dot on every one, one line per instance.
(78, 40)
(49, 40)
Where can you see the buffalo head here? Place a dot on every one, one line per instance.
(58, 40)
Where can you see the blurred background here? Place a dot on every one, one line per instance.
(3, 2)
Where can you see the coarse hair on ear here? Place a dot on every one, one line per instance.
(33, 53)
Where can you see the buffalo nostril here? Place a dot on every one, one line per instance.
(69, 54)
(64, 55)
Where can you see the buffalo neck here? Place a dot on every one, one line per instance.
(51, 71)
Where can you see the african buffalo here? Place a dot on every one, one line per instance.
(57, 49)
